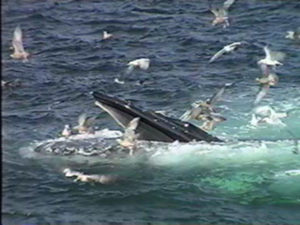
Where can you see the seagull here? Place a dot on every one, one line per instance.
(203, 109)
(67, 131)
(142, 63)
(116, 80)
(103, 179)
(211, 121)
(266, 81)
(267, 111)
(265, 114)
(85, 124)
(11, 84)
(294, 35)
(221, 14)
(272, 58)
(129, 136)
(226, 49)
(106, 35)
(17, 43)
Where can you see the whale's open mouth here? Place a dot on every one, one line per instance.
(152, 126)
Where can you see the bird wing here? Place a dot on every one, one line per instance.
(17, 40)
(235, 44)
(82, 119)
(129, 133)
(263, 91)
(267, 52)
(217, 55)
(217, 96)
(228, 3)
(133, 124)
(215, 11)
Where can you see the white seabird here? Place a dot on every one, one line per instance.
(103, 179)
(272, 58)
(221, 14)
(294, 35)
(142, 63)
(265, 114)
(106, 35)
(17, 43)
(226, 49)
(67, 131)
(85, 124)
(130, 136)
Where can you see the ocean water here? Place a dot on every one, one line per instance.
(252, 178)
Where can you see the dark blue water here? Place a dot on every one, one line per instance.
(232, 183)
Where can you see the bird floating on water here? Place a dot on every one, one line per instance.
(17, 44)
(116, 80)
(266, 114)
(226, 49)
(103, 179)
(11, 84)
(106, 35)
(221, 14)
(142, 63)
(67, 131)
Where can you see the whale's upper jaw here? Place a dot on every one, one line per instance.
(152, 126)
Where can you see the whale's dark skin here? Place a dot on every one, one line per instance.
(152, 126)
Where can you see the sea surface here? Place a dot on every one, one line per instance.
(254, 181)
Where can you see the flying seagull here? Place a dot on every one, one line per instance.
(17, 44)
(226, 49)
(85, 124)
(221, 14)
(204, 110)
(272, 58)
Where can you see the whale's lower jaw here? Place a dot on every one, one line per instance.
(152, 126)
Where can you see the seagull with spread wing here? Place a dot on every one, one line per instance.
(205, 111)
(272, 58)
(85, 124)
(17, 44)
(221, 14)
(130, 136)
(226, 49)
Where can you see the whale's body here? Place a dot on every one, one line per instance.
(152, 126)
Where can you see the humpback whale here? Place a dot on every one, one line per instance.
(152, 126)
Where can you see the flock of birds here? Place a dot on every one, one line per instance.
(202, 110)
